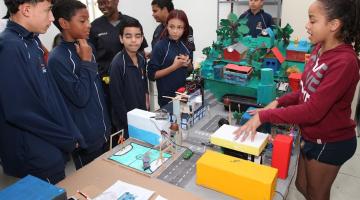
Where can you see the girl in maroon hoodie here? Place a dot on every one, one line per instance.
(322, 107)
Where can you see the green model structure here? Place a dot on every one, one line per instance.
(226, 71)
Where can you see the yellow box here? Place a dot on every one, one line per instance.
(236, 177)
(224, 137)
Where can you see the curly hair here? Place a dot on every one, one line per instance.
(348, 12)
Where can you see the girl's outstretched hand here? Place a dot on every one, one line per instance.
(249, 128)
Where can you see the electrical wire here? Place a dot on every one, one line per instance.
(164, 134)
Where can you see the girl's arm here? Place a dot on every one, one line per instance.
(178, 62)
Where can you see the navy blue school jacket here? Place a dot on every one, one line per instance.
(257, 22)
(35, 125)
(81, 88)
(128, 87)
(163, 56)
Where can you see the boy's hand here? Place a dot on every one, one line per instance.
(84, 50)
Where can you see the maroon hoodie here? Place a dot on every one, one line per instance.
(322, 107)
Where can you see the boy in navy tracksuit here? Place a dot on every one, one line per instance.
(171, 58)
(258, 19)
(73, 66)
(104, 34)
(128, 82)
(36, 129)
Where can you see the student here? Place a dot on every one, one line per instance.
(75, 71)
(258, 19)
(322, 107)
(128, 82)
(36, 129)
(104, 34)
(161, 10)
(171, 58)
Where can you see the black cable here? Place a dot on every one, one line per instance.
(282, 196)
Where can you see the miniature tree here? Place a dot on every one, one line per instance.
(231, 31)
(237, 116)
(283, 34)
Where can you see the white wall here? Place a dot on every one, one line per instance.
(296, 14)
(202, 20)
(2, 9)
(202, 17)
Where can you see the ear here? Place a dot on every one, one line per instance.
(64, 23)
(121, 39)
(335, 25)
(25, 9)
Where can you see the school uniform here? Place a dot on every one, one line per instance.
(128, 86)
(36, 128)
(163, 56)
(161, 28)
(105, 37)
(256, 23)
(81, 88)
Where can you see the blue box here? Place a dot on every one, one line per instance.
(301, 46)
(272, 63)
(32, 188)
(246, 116)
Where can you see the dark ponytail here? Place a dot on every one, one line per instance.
(348, 12)
(356, 27)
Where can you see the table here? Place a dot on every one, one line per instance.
(197, 135)
(101, 174)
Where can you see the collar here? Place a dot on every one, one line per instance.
(129, 60)
(120, 16)
(261, 11)
(20, 30)
(173, 41)
(68, 44)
